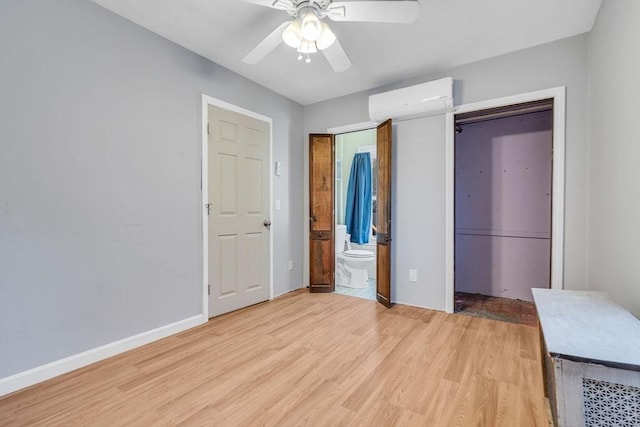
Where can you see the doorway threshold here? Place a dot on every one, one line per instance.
(367, 293)
(496, 308)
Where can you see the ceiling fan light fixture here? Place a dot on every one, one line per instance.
(327, 38)
(291, 35)
(307, 33)
(308, 46)
(311, 27)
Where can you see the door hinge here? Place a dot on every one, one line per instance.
(208, 289)
(208, 130)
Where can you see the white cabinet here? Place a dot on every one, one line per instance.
(591, 356)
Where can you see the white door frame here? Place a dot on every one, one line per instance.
(206, 102)
(557, 186)
(356, 127)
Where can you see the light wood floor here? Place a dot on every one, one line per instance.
(307, 359)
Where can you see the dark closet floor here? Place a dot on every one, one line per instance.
(504, 309)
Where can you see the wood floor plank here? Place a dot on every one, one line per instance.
(307, 359)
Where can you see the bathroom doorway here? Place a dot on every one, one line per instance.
(355, 207)
(322, 218)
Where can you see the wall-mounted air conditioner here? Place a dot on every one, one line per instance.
(421, 100)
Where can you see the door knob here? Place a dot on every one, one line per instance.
(267, 223)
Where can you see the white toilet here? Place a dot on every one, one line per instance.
(351, 265)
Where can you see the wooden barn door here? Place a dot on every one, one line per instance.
(383, 265)
(321, 219)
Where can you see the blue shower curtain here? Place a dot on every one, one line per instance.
(358, 212)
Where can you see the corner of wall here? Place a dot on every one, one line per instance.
(587, 252)
(42, 373)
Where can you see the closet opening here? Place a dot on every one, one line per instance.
(503, 198)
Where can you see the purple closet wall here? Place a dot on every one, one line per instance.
(503, 205)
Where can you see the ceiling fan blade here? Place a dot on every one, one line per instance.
(337, 57)
(275, 4)
(398, 11)
(265, 46)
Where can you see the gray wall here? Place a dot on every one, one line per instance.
(100, 203)
(561, 63)
(417, 230)
(614, 166)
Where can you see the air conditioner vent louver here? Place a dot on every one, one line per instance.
(426, 99)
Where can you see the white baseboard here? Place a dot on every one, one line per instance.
(41, 373)
(412, 304)
(288, 291)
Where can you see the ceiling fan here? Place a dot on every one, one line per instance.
(308, 33)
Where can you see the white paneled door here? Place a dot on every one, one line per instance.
(239, 222)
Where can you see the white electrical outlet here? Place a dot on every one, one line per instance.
(413, 275)
(290, 265)
(277, 205)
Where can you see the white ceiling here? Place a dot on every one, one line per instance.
(448, 33)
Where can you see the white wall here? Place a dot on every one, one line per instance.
(614, 158)
(100, 203)
(561, 63)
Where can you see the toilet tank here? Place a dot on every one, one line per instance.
(341, 236)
